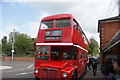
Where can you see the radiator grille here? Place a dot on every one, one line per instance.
(49, 73)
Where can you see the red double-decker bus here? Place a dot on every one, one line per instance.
(61, 48)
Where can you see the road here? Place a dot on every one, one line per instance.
(24, 71)
(18, 70)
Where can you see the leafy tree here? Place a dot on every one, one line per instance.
(93, 47)
(5, 46)
(15, 34)
(23, 44)
(34, 43)
(0, 49)
(0, 45)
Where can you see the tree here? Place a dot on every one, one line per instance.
(93, 47)
(0, 49)
(5, 46)
(15, 34)
(23, 44)
(34, 43)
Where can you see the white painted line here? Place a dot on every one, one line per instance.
(21, 73)
(25, 73)
(5, 67)
(30, 66)
(31, 72)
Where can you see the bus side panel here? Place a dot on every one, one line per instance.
(77, 38)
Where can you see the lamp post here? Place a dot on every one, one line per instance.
(13, 40)
(118, 7)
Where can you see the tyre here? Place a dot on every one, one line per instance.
(85, 70)
(74, 76)
(36, 78)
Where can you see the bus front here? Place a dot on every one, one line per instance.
(56, 56)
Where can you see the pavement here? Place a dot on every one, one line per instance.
(89, 75)
(24, 70)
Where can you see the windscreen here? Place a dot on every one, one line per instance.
(69, 55)
(63, 53)
(43, 51)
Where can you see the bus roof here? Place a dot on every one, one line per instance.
(58, 16)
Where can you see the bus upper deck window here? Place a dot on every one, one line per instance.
(75, 24)
(63, 23)
(46, 24)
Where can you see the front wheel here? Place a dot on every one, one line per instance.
(36, 78)
(85, 70)
(74, 77)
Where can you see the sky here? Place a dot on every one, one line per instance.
(25, 15)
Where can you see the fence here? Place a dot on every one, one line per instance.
(17, 58)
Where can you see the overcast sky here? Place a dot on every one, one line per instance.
(24, 16)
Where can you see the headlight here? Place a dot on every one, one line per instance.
(36, 70)
(56, 32)
(64, 75)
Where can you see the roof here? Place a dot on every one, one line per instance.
(112, 19)
(58, 16)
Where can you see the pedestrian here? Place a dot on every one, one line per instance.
(108, 70)
(117, 69)
(89, 63)
(94, 66)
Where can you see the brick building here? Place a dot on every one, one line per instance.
(109, 30)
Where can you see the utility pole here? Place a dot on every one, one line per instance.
(118, 7)
(13, 41)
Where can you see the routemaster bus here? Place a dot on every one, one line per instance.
(61, 49)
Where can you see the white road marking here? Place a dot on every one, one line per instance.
(31, 72)
(30, 66)
(25, 73)
(21, 73)
(5, 67)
